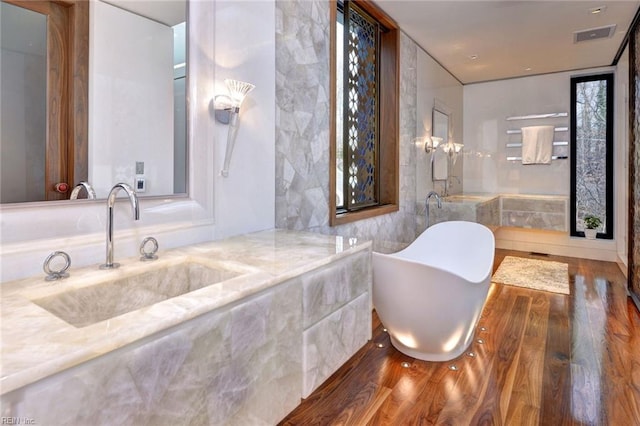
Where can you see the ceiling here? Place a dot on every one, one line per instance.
(168, 12)
(511, 38)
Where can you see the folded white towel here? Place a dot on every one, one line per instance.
(537, 144)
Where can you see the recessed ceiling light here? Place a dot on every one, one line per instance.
(473, 57)
(596, 10)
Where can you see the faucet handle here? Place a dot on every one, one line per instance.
(53, 275)
(151, 254)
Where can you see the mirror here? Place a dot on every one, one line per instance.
(132, 125)
(440, 126)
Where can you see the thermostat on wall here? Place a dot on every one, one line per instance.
(141, 184)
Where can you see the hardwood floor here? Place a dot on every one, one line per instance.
(547, 359)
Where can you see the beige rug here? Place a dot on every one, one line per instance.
(533, 273)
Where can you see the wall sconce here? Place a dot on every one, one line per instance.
(431, 144)
(452, 149)
(227, 111)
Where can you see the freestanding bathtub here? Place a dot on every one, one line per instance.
(430, 295)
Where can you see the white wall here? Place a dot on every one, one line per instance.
(486, 107)
(436, 85)
(245, 50)
(486, 170)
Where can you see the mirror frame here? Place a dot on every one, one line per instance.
(79, 100)
(438, 154)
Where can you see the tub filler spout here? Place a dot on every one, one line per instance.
(426, 204)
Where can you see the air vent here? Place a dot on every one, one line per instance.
(594, 33)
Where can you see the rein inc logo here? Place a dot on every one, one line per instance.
(17, 421)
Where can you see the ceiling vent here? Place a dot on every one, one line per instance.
(594, 33)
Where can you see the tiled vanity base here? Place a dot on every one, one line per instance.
(336, 317)
(220, 368)
(247, 362)
(331, 342)
(545, 212)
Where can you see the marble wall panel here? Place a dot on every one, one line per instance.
(535, 220)
(302, 128)
(537, 213)
(331, 342)
(488, 213)
(331, 287)
(302, 114)
(448, 211)
(220, 368)
(534, 205)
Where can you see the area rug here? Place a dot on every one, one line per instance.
(533, 273)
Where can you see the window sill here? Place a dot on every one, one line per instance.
(367, 213)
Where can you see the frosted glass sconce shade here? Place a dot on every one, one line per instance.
(225, 105)
(238, 90)
(452, 149)
(227, 110)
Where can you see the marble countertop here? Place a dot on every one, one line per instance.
(469, 198)
(478, 198)
(37, 344)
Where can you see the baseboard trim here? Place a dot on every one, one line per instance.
(622, 264)
(555, 243)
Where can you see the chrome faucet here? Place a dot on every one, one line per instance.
(111, 200)
(91, 194)
(429, 195)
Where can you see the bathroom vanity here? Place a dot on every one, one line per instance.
(154, 343)
(544, 212)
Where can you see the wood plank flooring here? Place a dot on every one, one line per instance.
(547, 359)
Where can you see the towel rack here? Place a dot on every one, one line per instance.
(553, 157)
(533, 116)
(555, 129)
(519, 144)
(537, 116)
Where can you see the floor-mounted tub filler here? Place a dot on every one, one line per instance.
(430, 295)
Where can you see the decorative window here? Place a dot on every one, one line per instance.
(592, 153)
(365, 113)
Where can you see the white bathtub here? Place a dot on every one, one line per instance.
(430, 295)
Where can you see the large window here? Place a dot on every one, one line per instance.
(592, 153)
(364, 178)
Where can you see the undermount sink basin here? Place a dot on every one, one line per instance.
(84, 306)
